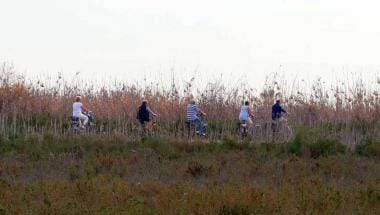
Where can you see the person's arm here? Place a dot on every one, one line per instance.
(201, 112)
(283, 110)
(151, 112)
(250, 112)
(85, 109)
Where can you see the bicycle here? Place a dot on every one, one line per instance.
(244, 127)
(281, 126)
(153, 125)
(149, 127)
(75, 123)
(193, 125)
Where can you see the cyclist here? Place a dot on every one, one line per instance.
(246, 115)
(192, 117)
(145, 114)
(245, 118)
(277, 111)
(78, 109)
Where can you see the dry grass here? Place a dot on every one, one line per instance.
(348, 111)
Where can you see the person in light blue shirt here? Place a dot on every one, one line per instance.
(246, 114)
(193, 113)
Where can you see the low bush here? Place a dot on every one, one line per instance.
(326, 147)
(269, 150)
(163, 147)
(303, 137)
(368, 147)
(231, 143)
(309, 142)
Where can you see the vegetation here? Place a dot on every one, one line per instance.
(348, 112)
(94, 174)
(328, 164)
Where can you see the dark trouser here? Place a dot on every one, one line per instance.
(143, 123)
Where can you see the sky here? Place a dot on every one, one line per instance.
(157, 39)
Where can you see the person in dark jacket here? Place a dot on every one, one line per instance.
(144, 114)
(277, 111)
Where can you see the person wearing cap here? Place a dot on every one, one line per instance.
(192, 117)
(78, 109)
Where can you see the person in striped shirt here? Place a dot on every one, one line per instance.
(192, 117)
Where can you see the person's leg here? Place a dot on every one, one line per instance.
(148, 126)
(143, 126)
(243, 123)
(274, 126)
(201, 126)
(249, 124)
(84, 118)
(192, 124)
(198, 126)
(242, 127)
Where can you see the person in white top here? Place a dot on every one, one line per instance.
(246, 114)
(78, 109)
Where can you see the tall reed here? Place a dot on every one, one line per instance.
(349, 110)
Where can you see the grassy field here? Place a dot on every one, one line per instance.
(108, 175)
(328, 164)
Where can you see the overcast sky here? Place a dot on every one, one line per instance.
(128, 40)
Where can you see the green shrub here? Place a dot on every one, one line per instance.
(162, 146)
(302, 139)
(326, 147)
(231, 143)
(16, 144)
(368, 147)
(271, 150)
(310, 141)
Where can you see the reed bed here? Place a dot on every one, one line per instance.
(348, 111)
